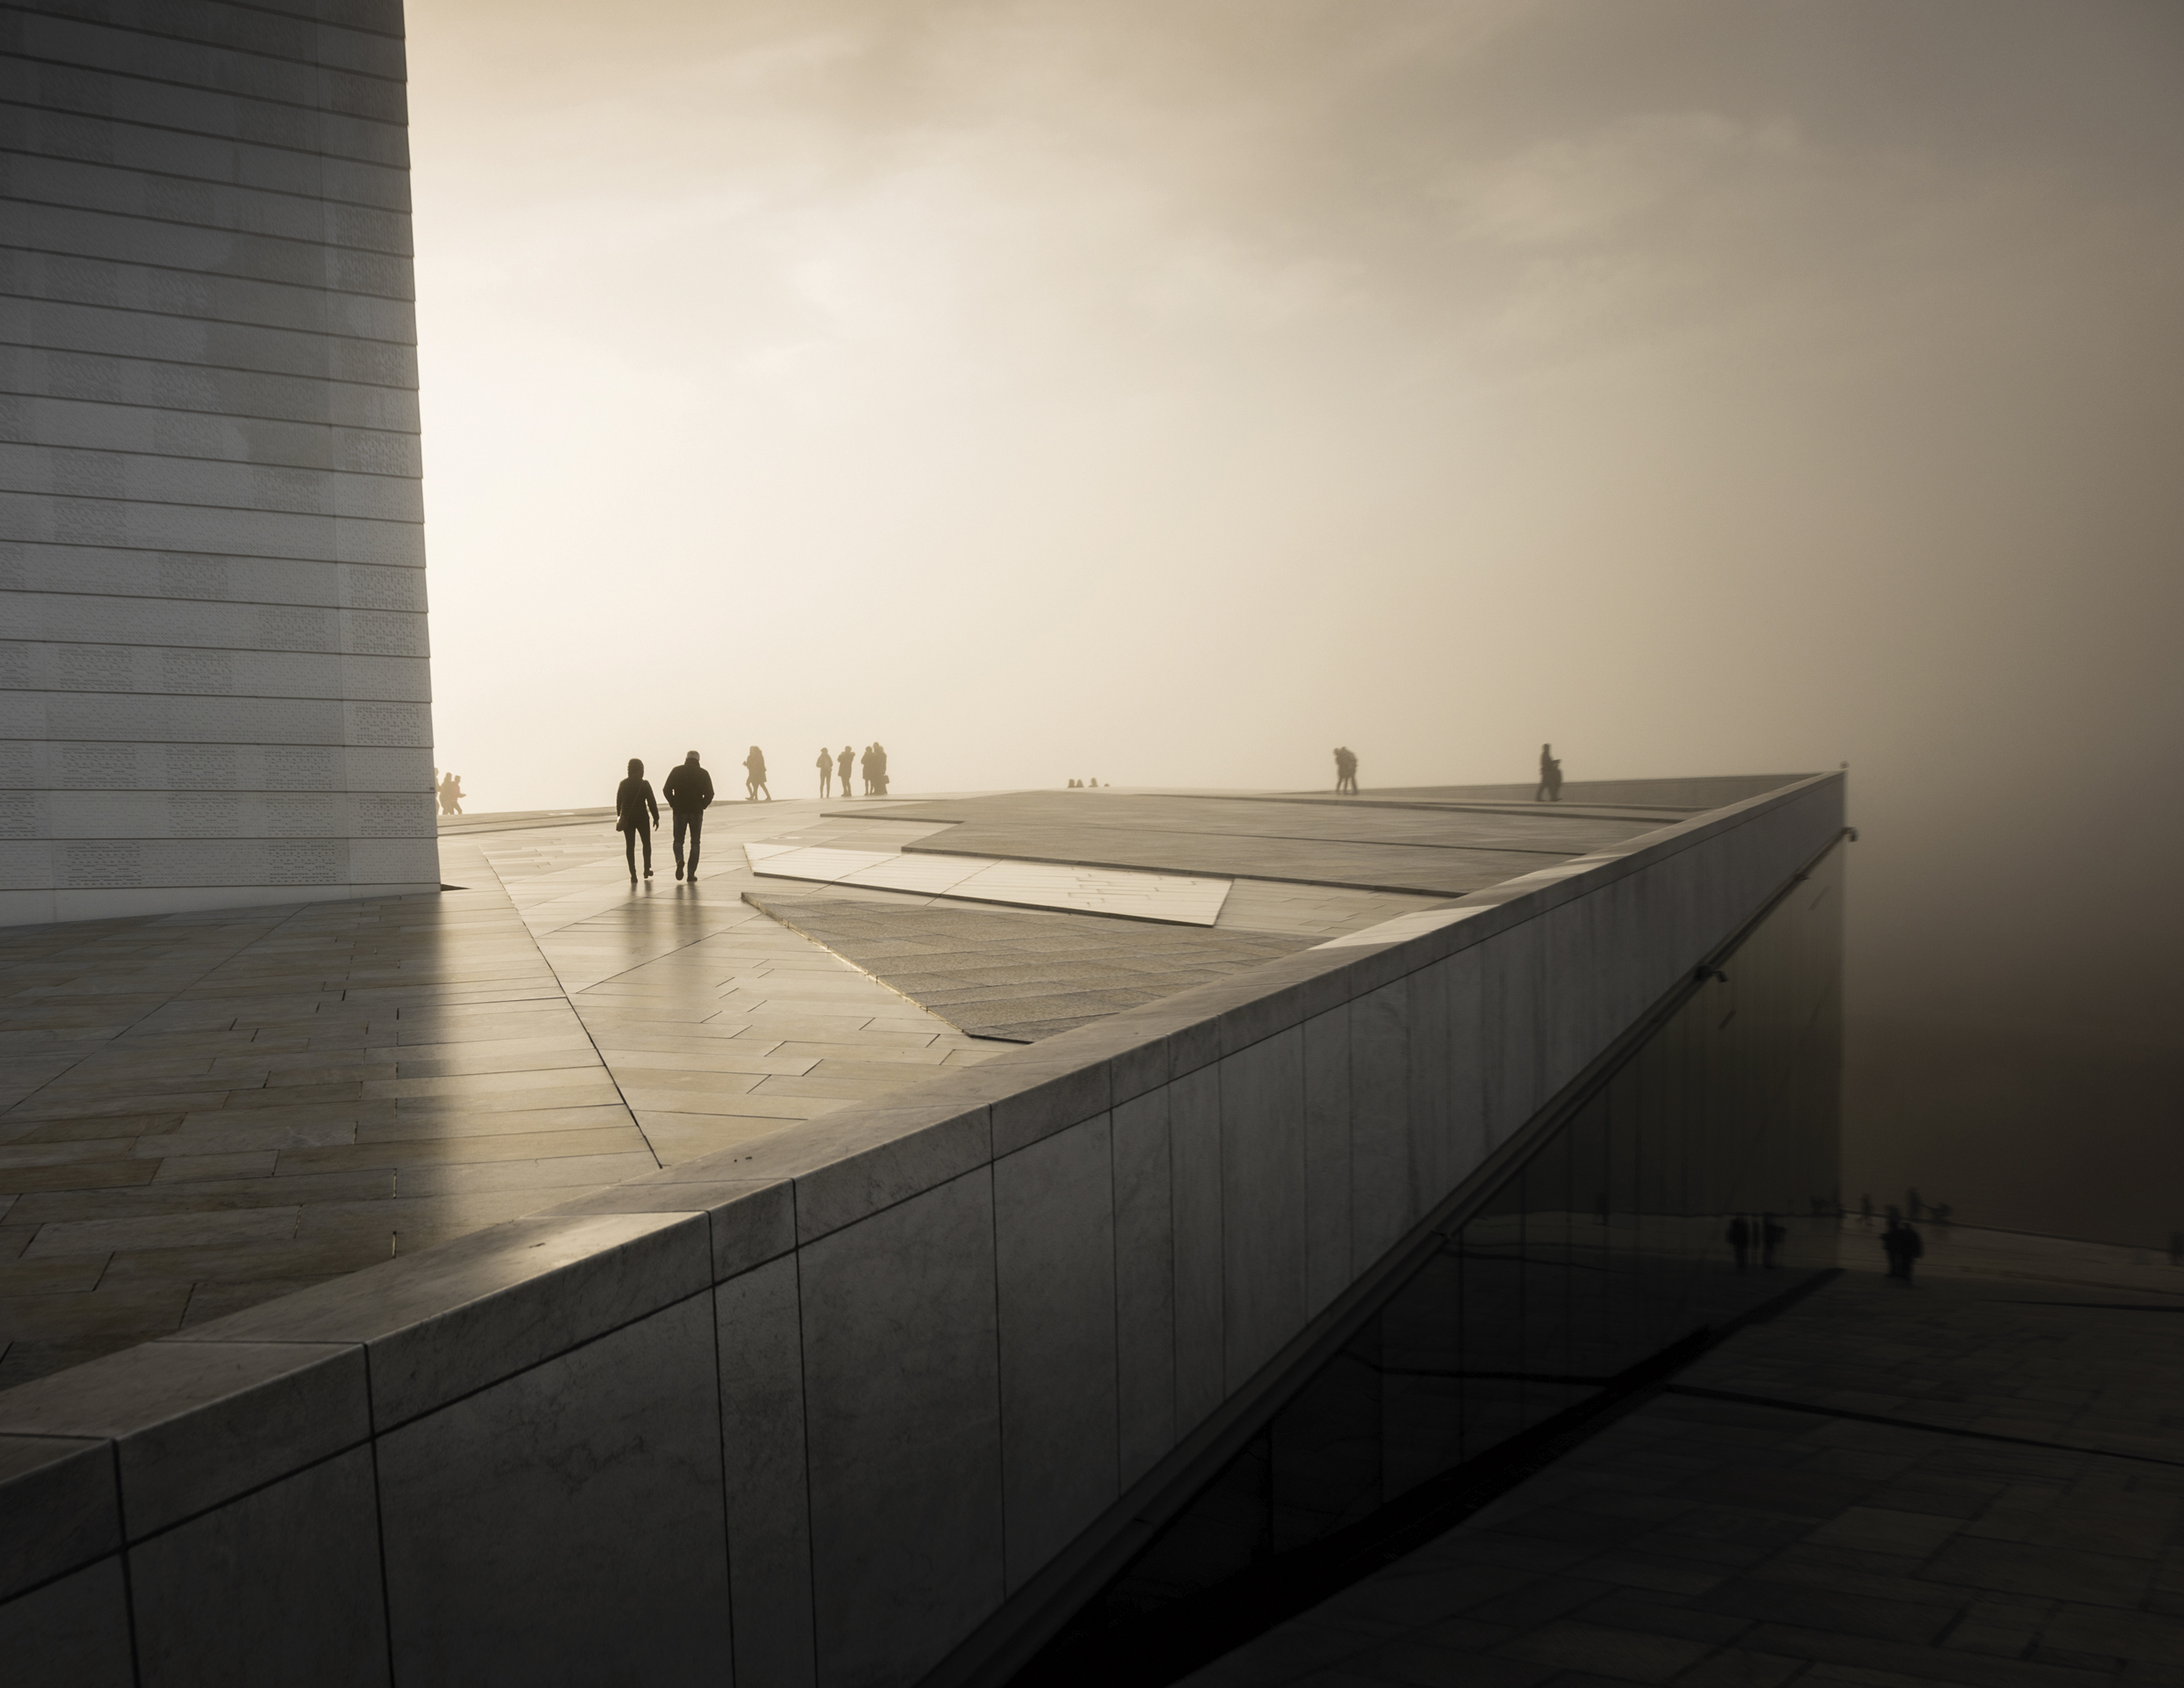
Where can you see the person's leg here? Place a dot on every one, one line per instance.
(629, 852)
(644, 833)
(682, 825)
(698, 824)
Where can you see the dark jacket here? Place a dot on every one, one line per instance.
(631, 798)
(688, 789)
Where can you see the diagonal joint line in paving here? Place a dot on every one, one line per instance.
(1741, 1399)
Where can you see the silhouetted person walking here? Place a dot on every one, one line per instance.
(688, 790)
(633, 799)
(842, 767)
(1550, 776)
(826, 771)
(1346, 770)
(451, 794)
(1740, 1236)
(1770, 1236)
(755, 772)
(1904, 1246)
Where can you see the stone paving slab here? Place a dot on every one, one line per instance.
(1977, 1479)
(202, 1112)
(1016, 975)
(1431, 851)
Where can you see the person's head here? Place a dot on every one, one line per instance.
(637, 768)
(692, 759)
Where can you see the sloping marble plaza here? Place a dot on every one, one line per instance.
(203, 1111)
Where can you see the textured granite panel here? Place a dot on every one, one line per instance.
(1144, 1283)
(72, 1633)
(1054, 1253)
(763, 1454)
(1327, 1157)
(903, 1412)
(282, 1585)
(1195, 1169)
(58, 1496)
(1264, 1226)
(566, 1525)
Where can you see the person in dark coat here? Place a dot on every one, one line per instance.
(636, 815)
(1740, 1236)
(842, 767)
(688, 790)
(755, 772)
(879, 768)
(1903, 1245)
(826, 772)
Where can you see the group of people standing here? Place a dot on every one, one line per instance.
(448, 789)
(689, 791)
(872, 764)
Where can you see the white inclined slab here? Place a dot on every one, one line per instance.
(1172, 897)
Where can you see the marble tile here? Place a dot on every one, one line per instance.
(1055, 1252)
(1144, 1284)
(455, 1318)
(762, 1442)
(1264, 1228)
(902, 1416)
(282, 1585)
(565, 1524)
(194, 1424)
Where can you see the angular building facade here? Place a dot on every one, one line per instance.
(212, 665)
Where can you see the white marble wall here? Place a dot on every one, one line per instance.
(856, 1403)
(214, 688)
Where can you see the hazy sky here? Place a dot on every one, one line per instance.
(1166, 393)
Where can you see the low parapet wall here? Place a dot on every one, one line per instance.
(817, 1409)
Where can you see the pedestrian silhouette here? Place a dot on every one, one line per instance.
(1345, 770)
(688, 790)
(1550, 776)
(633, 799)
(1770, 1236)
(1903, 1246)
(1740, 1236)
(754, 771)
(1866, 1211)
(826, 770)
(451, 794)
(880, 767)
(842, 767)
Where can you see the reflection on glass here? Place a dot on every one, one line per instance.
(1616, 1236)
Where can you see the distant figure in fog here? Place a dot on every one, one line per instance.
(879, 764)
(1770, 1236)
(1740, 1236)
(826, 770)
(842, 767)
(633, 799)
(1550, 776)
(864, 768)
(1345, 770)
(1866, 1211)
(688, 790)
(754, 776)
(1904, 1246)
(451, 794)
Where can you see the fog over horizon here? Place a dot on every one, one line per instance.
(1167, 394)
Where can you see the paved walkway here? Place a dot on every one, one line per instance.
(199, 1113)
(1979, 1479)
